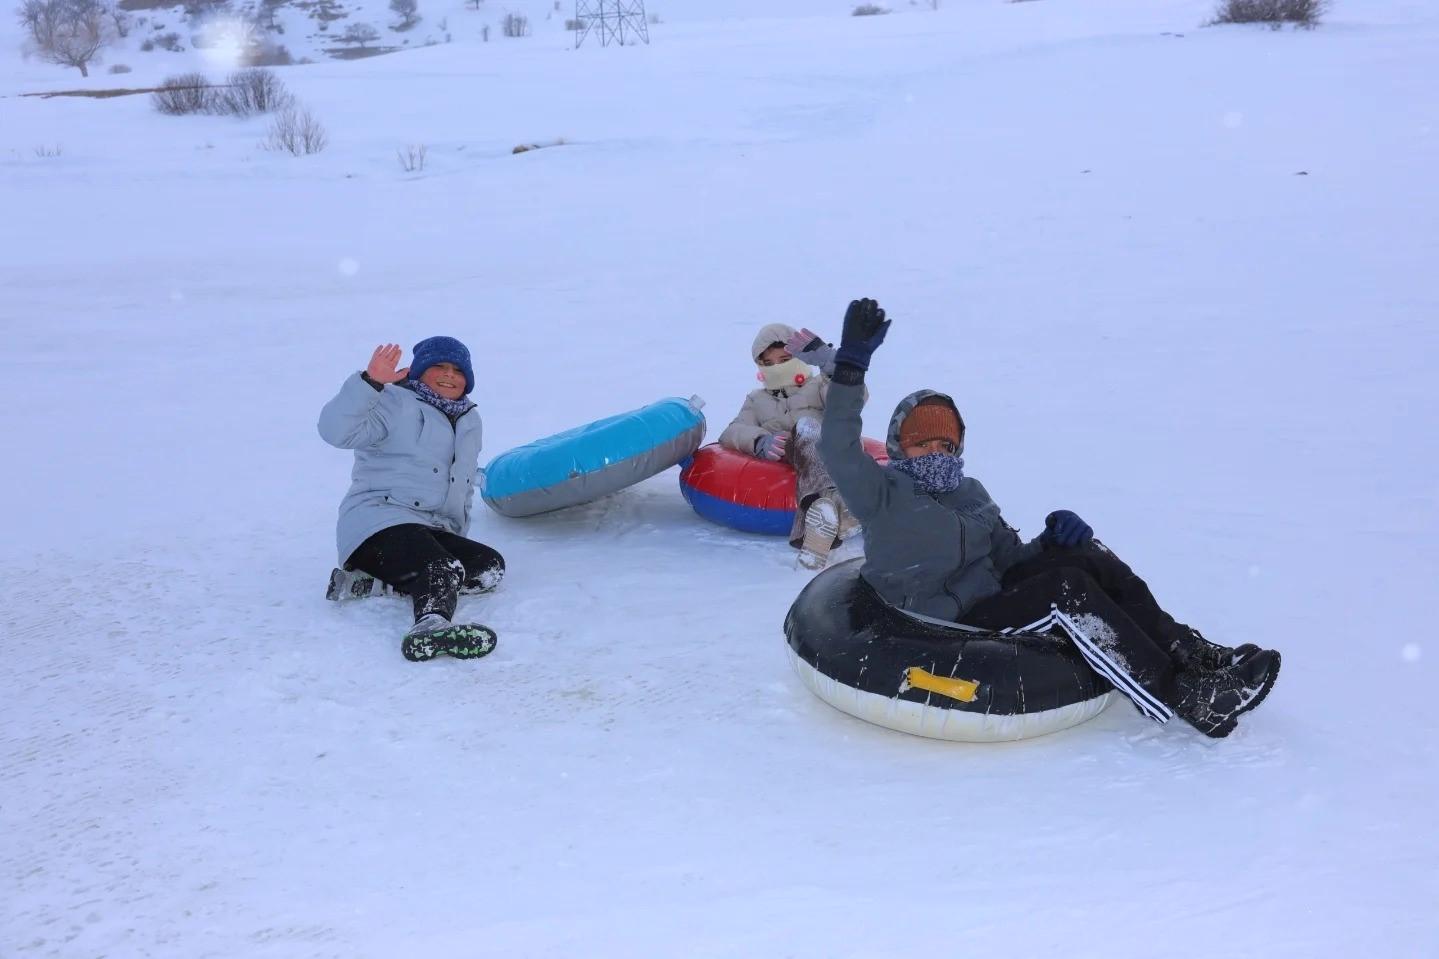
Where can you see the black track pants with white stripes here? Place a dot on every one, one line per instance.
(429, 564)
(1104, 597)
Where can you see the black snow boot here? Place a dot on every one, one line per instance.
(1212, 700)
(1190, 649)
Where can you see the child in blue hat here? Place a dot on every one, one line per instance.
(417, 438)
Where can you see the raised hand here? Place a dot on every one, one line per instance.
(383, 362)
(807, 347)
(865, 327)
(802, 342)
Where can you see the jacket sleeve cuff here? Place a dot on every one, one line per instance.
(360, 393)
(376, 385)
(847, 374)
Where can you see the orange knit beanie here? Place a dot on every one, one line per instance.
(929, 421)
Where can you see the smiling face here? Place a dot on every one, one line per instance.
(445, 379)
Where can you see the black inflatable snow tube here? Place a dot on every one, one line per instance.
(863, 656)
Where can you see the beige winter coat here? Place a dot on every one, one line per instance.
(773, 411)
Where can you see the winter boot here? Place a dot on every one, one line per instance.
(821, 527)
(353, 584)
(1212, 700)
(433, 635)
(486, 582)
(1191, 649)
(346, 584)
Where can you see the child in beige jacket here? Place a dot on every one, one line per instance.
(780, 422)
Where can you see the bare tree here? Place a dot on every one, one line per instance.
(360, 33)
(407, 11)
(67, 32)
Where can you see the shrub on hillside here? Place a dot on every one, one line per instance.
(1276, 13)
(271, 55)
(515, 25)
(868, 10)
(251, 91)
(412, 158)
(184, 94)
(296, 132)
(118, 68)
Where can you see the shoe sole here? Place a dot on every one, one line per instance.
(458, 642)
(1260, 696)
(819, 536)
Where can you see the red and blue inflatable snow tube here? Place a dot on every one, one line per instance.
(745, 493)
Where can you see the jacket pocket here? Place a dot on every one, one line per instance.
(416, 499)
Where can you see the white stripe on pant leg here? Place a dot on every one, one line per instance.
(1097, 661)
(1101, 663)
(1156, 710)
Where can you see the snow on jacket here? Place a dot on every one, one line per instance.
(936, 555)
(412, 465)
(773, 411)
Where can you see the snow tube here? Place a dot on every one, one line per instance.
(746, 493)
(594, 460)
(930, 678)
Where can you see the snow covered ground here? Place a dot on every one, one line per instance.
(1182, 285)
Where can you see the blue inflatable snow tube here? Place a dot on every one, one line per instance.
(593, 460)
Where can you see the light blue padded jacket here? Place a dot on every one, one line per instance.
(411, 464)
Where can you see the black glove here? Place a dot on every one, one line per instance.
(864, 330)
(1064, 528)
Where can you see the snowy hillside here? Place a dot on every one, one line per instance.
(1178, 279)
(156, 36)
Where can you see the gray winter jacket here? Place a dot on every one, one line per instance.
(936, 555)
(411, 464)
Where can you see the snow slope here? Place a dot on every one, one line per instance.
(1182, 285)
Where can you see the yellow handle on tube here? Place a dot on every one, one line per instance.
(963, 690)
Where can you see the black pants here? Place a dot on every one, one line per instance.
(429, 564)
(1095, 588)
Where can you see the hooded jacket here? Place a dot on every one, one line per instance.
(932, 554)
(773, 411)
(412, 464)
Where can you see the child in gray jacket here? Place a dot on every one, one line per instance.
(416, 438)
(936, 546)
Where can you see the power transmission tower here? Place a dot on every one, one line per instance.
(616, 21)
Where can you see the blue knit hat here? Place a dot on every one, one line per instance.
(442, 349)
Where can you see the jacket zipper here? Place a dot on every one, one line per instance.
(963, 550)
